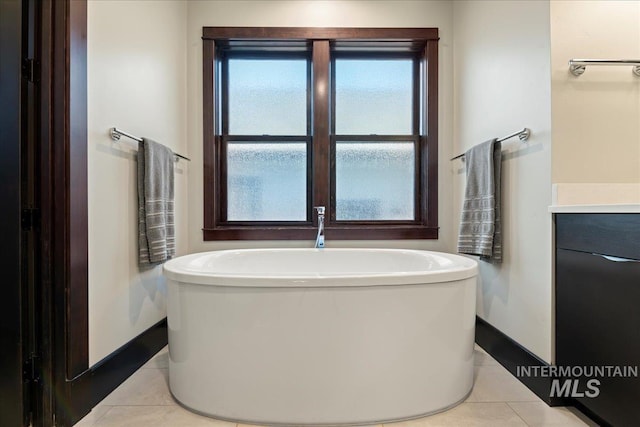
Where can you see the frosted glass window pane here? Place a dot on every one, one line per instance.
(375, 180)
(266, 181)
(267, 97)
(374, 97)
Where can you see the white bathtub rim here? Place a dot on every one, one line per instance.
(173, 270)
(346, 424)
(286, 282)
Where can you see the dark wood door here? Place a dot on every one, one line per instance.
(12, 398)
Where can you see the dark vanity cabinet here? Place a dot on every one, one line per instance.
(598, 307)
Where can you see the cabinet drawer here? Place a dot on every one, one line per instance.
(598, 324)
(609, 234)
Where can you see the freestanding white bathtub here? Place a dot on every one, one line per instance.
(320, 336)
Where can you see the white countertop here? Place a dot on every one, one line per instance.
(607, 208)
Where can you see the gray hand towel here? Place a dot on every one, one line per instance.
(156, 230)
(480, 225)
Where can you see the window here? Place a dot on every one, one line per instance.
(375, 136)
(266, 136)
(302, 117)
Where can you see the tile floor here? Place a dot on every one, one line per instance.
(497, 400)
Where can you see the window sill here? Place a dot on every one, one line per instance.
(336, 232)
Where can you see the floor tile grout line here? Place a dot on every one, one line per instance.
(101, 416)
(502, 401)
(516, 412)
(142, 404)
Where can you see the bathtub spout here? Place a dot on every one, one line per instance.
(320, 237)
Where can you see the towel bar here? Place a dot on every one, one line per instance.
(117, 133)
(523, 134)
(578, 66)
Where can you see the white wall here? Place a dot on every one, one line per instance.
(319, 13)
(596, 117)
(137, 82)
(502, 84)
(145, 76)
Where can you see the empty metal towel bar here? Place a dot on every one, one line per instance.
(117, 133)
(577, 66)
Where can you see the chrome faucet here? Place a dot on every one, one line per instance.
(320, 237)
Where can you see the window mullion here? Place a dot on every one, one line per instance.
(430, 144)
(321, 125)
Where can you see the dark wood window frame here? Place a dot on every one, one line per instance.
(321, 42)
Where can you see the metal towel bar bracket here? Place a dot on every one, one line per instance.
(116, 134)
(578, 66)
